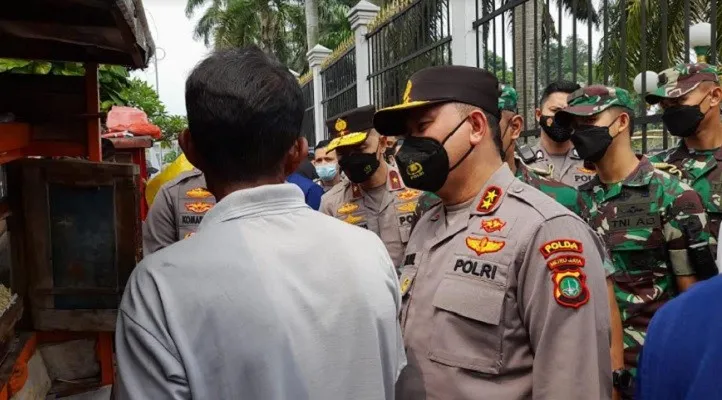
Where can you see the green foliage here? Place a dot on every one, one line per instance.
(569, 55)
(113, 79)
(169, 157)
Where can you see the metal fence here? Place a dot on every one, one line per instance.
(307, 129)
(530, 43)
(339, 84)
(416, 37)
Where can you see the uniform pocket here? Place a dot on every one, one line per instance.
(467, 331)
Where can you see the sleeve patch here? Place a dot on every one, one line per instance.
(566, 261)
(561, 245)
(570, 287)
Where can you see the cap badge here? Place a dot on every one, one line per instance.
(340, 125)
(407, 92)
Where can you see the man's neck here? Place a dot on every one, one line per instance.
(708, 138)
(470, 184)
(555, 148)
(617, 164)
(511, 162)
(332, 182)
(378, 178)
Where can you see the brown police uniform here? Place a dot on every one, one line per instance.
(572, 173)
(387, 211)
(504, 297)
(177, 211)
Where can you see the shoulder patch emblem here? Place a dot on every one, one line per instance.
(347, 208)
(484, 245)
(407, 207)
(561, 245)
(492, 225)
(408, 194)
(352, 219)
(566, 261)
(489, 199)
(570, 287)
(198, 193)
(198, 207)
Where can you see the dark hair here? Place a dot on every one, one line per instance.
(557, 87)
(322, 144)
(245, 111)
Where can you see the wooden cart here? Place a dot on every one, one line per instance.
(69, 222)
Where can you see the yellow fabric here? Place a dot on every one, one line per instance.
(350, 139)
(180, 165)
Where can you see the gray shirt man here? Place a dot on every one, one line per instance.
(268, 300)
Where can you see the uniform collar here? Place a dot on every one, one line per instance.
(682, 152)
(642, 175)
(393, 182)
(259, 200)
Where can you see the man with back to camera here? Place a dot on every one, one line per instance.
(641, 212)
(326, 164)
(555, 153)
(374, 196)
(504, 290)
(690, 96)
(269, 299)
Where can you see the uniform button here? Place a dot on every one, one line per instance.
(517, 189)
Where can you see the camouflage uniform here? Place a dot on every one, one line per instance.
(643, 220)
(702, 169)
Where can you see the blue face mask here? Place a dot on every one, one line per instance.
(327, 171)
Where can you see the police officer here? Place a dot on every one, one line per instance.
(652, 222)
(177, 210)
(503, 288)
(555, 153)
(690, 96)
(374, 196)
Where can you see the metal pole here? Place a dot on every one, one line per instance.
(157, 82)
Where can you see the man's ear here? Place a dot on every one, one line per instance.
(516, 124)
(296, 154)
(715, 97)
(185, 140)
(479, 127)
(623, 121)
(537, 114)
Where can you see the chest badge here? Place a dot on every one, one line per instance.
(489, 199)
(408, 194)
(351, 219)
(198, 193)
(587, 171)
(405, 285)
(492, 225)
(407, 207)
(347, 208)
(198, 207)
(484, 245)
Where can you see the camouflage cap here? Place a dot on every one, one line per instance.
(508, 98)
(592, 100)
(678, 81)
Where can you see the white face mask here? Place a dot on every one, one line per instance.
(327, 171)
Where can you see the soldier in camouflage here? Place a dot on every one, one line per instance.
(511, 125)
(690, 95)
(651, 221)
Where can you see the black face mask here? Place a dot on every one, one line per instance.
(390, 152)
(359, 167)
(503, 151)
(555, 132)
(683, 121)
(424, 163)
(592, 142)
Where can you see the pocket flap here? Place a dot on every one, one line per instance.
(472, 299)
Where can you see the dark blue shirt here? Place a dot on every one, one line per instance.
(311, 190)
(682, 354)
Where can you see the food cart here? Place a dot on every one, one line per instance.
(70, 230)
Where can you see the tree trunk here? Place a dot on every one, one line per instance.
(311, 23)
(525, 58)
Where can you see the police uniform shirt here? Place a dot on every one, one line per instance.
(509, 302)
(268, 300)
(387, 211)
(570, 170)
(177, 211)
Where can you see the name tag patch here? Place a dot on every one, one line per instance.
(406, 219)
(561, 245)
(634, 222)
(482, 269)
(190, 219)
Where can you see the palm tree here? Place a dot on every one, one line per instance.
(623, 69)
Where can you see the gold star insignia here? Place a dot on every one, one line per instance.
(486, 204)
(491, 195)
